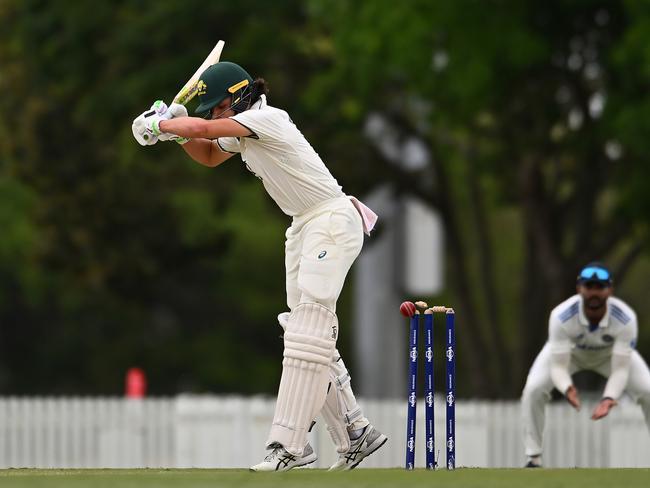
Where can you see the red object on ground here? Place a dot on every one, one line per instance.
(407, 309)
(136, 383)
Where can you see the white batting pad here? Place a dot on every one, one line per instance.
(341, 409)
(283, 319)
(309, 343)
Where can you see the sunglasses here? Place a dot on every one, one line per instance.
(590, 272)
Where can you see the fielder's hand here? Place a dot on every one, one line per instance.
(572, 397)
(603, 408)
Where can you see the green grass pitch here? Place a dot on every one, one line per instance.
(359, 478)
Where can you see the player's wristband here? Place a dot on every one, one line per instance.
(155, 127)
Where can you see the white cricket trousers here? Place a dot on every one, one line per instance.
(539, 385)
(320, 248)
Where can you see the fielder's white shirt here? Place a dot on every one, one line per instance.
(292, 172)
(570, 331)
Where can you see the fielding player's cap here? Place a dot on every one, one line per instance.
(595, 273)
(219, 81)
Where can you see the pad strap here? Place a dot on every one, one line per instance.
(341, 409)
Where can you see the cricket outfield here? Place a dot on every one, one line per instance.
(371, 478)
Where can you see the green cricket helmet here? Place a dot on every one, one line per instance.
(222, 80)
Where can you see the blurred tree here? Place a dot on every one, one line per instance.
(116, 255)
(528, 120)
(532, 118)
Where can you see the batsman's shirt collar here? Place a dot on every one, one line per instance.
(259, 104)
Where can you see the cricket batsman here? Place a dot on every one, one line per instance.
(592, 330)
(324, 239)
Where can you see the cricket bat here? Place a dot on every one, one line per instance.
(191, 88)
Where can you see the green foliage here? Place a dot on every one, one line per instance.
(20, 242)
(136, 256)
(113, 255)
(534, 119)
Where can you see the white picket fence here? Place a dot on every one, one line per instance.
(229, 432)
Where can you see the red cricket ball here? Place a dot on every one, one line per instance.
(407, 309)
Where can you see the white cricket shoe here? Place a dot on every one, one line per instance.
(281, 460)
(360, 448)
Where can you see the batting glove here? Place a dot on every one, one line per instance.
(145, 127)
(140, 131)
(177, 110)
(174, 111)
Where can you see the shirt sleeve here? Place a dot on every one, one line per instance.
(618, 377)
(560, 354)
(229, 144)
(264, 124)
(557, 336)
(560, 371)
(624, 344)
(626, 339)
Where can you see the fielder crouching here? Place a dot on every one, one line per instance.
(594, 331)
(323, 241)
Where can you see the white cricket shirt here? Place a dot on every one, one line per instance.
(570, 331)
(292, 172)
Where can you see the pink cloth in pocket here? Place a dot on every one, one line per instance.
(368, 217)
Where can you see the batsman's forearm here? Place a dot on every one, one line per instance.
(190, 127)
(205, 152)
(196, 128)
(198, 150)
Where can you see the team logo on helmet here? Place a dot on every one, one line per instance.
(201, 88)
